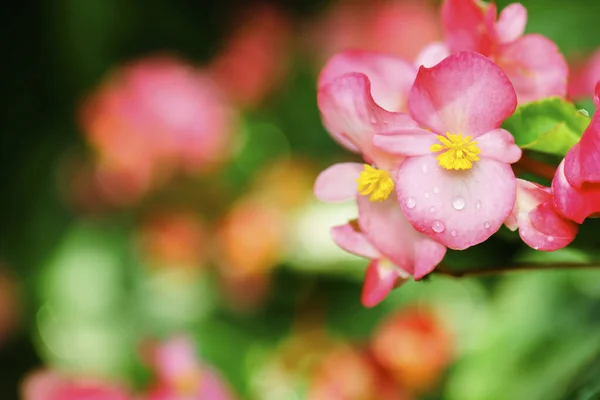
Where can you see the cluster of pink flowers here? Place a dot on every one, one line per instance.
(437, 170)
(178, 376)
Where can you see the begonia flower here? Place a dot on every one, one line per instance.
(533, 62)
(456, 184)
(576, 185)
(180, 376)
(540, 225)
(353, 117)
(50, 385)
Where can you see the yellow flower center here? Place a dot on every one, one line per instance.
(458, 153)
(376, 183)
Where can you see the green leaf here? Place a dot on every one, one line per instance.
(552, 125)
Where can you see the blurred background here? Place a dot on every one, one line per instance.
(157, 167)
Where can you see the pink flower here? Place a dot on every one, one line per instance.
(50, 385)
(584, 76)
(576, 184)
(353, 117)
(456, 184)
(532, 62)
(181, 377)
(539, 224)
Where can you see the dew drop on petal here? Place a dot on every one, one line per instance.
(453, 233)
(551, 238)
(486, 225)
(373, 120)
(459, 203)
(478, 205)
(432, 210)
(426, 195)
(436, 189)
(410, 203)
(424, 168)
(438, 227)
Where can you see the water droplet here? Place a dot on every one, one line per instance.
(436, 189)
(426, 195)
(551, 238)
(478, 205)
(486, 225)
(453, 233)
(373, 120)
(459, 203)
(432, 210)
(438, 227)
(424, 168)
(410, 203)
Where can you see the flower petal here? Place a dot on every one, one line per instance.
(465, 93)
(353, 241)
(511, 23)
(499, 145)
(458, 208)
(351, 116)
(582, 162)
(535, 67)
(432, 54)
(391, 233)
(465, 27)
(391, 77)
(338, 182)
(406, 142)
(573, 203)
(380, 278)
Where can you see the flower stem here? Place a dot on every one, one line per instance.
(444, 270)
(536, 167)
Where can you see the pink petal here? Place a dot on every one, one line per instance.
(582, 162)
(391, 77)
(351, 116)
(338, 182)
(458, 208)
(465, 27)
(499, 145)
(432, 54)
(353, 242)
(380, 278)
(406, 142)
(584, 76)
(465, 93)
(573, 203)
(391, 233)
(540, 225)
(511, 23)
(535, 67)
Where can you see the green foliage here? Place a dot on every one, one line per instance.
(550, 126)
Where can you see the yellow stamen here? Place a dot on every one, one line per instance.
(376, 183)
(458, 153)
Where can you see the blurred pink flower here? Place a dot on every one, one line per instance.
(50, 385)
(180, 376)
(533, 62)
(154, 116)
(584, 76)
(414, 347)
(399, 27)
(540, 225)
(576, 185)
(253, 61)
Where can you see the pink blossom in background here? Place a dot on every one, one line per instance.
(349, 109)
(399, 27)
(152, 117)
(180, 376)
(540, 225)
(414, 347)
(533, 63)
(584, 76)
(576, 185)
(51, 385)
(456, 184)
(254, 59)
